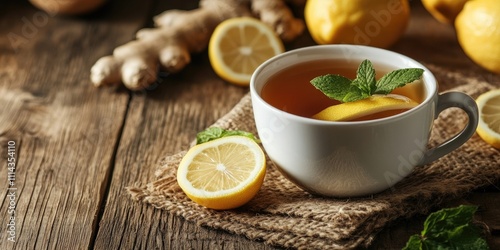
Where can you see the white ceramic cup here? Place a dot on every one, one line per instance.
(345, 159)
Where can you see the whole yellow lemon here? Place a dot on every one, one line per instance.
(478, 32)
(68, 7)
(444, 11)
(378, 23)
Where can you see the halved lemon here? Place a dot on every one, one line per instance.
(239, 45)
(489, 117)
(224, 173)
(374, 104)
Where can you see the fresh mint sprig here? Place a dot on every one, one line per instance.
(213, 133)
(365, 84)
(450, 228)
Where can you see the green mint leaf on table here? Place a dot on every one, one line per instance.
(450, 228)
(365, 84)
(213, 133)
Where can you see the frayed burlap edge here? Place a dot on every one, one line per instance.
(283, 215)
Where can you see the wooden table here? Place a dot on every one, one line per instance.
(78, 147)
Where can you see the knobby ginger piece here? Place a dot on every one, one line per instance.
(178, 34)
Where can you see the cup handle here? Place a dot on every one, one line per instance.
(467, 104)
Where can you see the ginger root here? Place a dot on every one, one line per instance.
(179, 33)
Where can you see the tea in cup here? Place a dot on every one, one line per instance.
(347, 158)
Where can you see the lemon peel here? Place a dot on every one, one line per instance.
(445, 11)
(378, 23)
(371, 105)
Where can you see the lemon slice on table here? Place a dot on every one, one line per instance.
(489, 117)
(372, 105)
(224, 173)
(239, 45)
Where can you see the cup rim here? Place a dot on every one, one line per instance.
(430, 90)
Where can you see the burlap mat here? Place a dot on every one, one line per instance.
(285, 216)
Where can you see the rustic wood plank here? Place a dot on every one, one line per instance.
(159, 123)
(397, 234)
(65, 130)
(489, 212)
(77, 147)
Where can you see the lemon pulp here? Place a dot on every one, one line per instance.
(224, 173)
(239, 45)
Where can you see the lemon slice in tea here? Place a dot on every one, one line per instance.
(349, 111)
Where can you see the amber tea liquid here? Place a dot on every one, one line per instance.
(290, 89)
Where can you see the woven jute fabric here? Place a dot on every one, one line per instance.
(283, 215)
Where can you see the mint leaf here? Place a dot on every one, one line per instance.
(213, 133)
(354, 94)
(334, 86)
(365, 84)
(365, 78)
(450, 228)
(448, 219)
(397, 78)
(413, 243)
(209, 134)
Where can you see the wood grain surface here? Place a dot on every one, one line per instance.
(78, 147)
